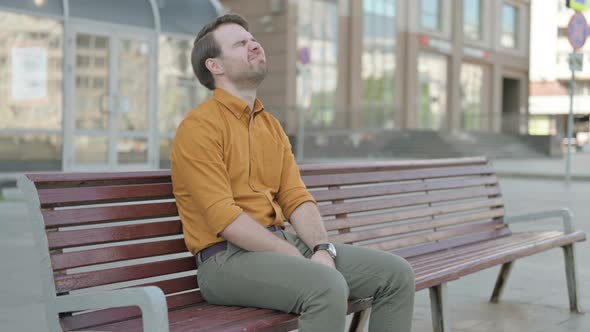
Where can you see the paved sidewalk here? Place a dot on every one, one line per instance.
(546, 168)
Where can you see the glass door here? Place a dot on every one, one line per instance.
(109, 117)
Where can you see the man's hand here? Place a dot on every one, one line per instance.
(323, 257)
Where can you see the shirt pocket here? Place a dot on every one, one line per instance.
(271, 164)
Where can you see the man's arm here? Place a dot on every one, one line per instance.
(248, 234)
(299, 205)
(307, 221)
(308, 224)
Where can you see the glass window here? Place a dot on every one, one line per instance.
(378, 63)
(165, 144)
(430, 14)
(317, 65)
(509, 26)
(472, 19)
(180, 91)
(432, 90)
(471, 96)
(30, 152)
(91, 107)
(31, 85)
(133, 78)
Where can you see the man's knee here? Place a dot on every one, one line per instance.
(329, 287)
(401, 273)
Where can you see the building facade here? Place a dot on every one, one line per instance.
(88, 85)
(372, 64)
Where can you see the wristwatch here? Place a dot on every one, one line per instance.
(329, 247)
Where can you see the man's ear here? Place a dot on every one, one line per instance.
(215, 66)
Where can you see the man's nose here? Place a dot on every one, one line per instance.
(255, 46)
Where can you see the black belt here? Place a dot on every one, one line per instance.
(217, 247)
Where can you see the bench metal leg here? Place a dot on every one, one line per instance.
(359, 320)
(572, 280)
(439, 308)
(501, 281)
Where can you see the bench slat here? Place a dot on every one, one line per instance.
(389, 245)
(414, 227)
(427, 248)
(285, 322)
(363, 166)
(325, 180)
(458, 270)
(95, 215)
(105, 194)
(196, 319)
(81, 258)
(175, 285)
(212, 322)
(460, 250)
(478, 251)
(65, 283)
(62, 180)
(393, 202)
(389, 217)
(66, 239)
(100, 317)
(399, 188)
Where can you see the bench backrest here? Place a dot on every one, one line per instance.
(114, 230)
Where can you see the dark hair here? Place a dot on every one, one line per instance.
(206, 47)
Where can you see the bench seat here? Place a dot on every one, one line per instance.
(205, 317)
(431, 269)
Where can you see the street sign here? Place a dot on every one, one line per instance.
(576, 61)
(577, 30)
(579, 5)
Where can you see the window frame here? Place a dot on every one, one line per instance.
(522, 37)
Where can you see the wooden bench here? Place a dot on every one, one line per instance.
(105, 231)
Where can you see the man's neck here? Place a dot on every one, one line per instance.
(247, 95)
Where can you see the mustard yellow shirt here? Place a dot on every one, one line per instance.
(225, 162)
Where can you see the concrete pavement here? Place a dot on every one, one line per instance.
(535, 298)
(545, 168)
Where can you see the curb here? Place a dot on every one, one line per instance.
(541, 176)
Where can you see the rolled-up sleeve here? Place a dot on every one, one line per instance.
(197, 165)
(292, 191)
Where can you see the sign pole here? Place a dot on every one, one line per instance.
(577, 32)
(570, 129)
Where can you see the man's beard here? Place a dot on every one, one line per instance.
(250, 78)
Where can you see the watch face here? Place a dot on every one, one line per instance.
(329, 247)
(332, 250)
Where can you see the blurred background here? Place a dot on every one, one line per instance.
(102, 85)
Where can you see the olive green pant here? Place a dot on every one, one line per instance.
(318, 293)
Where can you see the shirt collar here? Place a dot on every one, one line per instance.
(234, 104)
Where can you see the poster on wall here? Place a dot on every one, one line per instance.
(29, 73)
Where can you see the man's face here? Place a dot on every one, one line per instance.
(242, 56)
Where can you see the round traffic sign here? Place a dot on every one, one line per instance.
(577, 30)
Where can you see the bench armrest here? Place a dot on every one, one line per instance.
(565, 215)
(150, 299)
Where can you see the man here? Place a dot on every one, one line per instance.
(235, 178)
